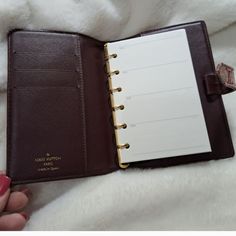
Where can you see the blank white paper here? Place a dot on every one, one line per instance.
(163, 110)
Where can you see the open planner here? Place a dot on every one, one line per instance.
(80, 107)
(162, 107)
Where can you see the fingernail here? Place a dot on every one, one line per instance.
(25, 215)
(4, 184)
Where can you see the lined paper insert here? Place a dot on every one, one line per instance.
(163, 111)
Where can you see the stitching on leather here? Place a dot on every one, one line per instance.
(9, 128)
(44, 87)
(9, 116)
(64, 177)
(44, 70)
(78, 50)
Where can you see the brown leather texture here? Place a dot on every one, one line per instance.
(59, 115)
(215, 87)
(59, 121)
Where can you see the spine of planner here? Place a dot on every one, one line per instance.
(115, 107)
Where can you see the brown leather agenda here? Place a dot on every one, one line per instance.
(59, 115)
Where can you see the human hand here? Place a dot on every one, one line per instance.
(11, 204)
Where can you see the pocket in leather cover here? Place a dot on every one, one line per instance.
(46, 133)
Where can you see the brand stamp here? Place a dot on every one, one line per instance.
(47, 162)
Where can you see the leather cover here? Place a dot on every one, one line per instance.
(59, 119)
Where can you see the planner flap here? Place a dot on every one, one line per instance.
(221, 82)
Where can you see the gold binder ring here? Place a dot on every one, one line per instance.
(114, 55)
(116, 72)
(120, 107)
(121, 126)
(123, 146)
(119, 89)
(123, 166)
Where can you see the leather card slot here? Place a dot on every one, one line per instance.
(43, 42)
(44, 62)
(46, 132)
(45, 79)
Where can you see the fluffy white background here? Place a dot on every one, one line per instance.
(198, 196)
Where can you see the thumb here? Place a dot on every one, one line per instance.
(4, 191)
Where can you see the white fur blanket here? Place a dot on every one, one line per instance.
(188, 197)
